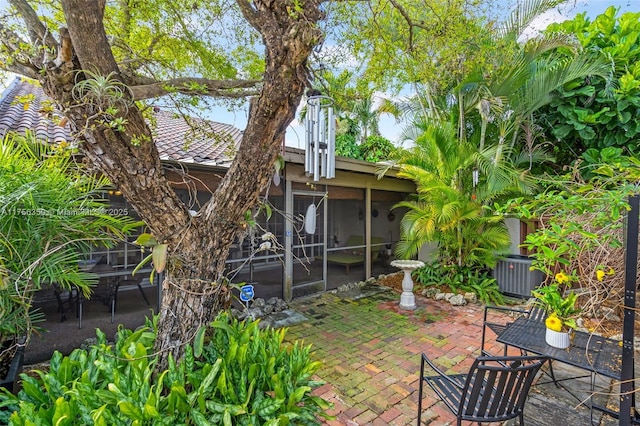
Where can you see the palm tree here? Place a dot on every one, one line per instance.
(449, 207)
(495, 105)
(367, 115)
(506, 97)
(51, 212)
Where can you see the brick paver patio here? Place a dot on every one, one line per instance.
(370, 351)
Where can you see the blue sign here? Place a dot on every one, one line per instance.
(246, 293)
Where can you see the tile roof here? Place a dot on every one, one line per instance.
(20, 107)
(178, 138)
(194, 140)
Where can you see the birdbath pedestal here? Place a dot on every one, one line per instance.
(407, 299)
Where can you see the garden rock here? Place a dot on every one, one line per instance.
(457, 300)
(430, 292)
(471, 297)
(254, 314)
(260, 309)
(440, 296)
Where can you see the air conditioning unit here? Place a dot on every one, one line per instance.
(514, 276)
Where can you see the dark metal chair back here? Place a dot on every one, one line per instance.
(537, 313)
(495, 389)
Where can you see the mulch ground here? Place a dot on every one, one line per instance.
(393, 281)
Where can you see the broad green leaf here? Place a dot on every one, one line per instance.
(146, 240)
(198, 341)
(131, 411)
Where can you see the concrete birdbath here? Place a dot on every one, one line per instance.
(407, 299)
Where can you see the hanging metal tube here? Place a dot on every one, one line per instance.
(316, 142)
(320, 130)
(331, 145)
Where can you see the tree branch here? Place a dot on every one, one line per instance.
(13, 59)
(38, 32)
(146, 88)
(22, 70)
(250, 13)
(65, 53)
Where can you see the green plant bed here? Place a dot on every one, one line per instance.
(234, 374)
(460, 279)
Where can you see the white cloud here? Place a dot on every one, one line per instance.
(541, 22)
(338, 56)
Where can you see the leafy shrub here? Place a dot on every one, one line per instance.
(597, 112)
(461, 278)
(241, 376)
(50, 214)
(486, 288)
(346, 146)
(430, 274)
(376, 148)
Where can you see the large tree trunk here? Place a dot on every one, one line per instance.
(194, 289)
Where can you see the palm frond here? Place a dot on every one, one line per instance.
(523, 15)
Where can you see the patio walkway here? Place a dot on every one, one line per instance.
(371, 359)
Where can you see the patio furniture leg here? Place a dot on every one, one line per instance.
(113, 308)
(144, 296)
(80, 306)
(420, 391)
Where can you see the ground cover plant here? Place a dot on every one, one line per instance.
(460, 279)
(242, 375)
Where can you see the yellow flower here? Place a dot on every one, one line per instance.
(611, 271)
(562, 278)
(600, 274)
(553, 323)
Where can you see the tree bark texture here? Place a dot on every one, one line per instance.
(194, 289)
(192, 303)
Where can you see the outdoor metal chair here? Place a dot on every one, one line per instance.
(494, 390)
(534, 312)
(129, 280)
(106, 291)
(499, 325)
(67, 300)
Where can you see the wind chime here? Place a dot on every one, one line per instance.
(320, 137)
(476, 180)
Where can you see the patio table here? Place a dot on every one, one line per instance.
(593, 353)
(112, 278)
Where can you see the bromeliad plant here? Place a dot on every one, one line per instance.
(561, 310)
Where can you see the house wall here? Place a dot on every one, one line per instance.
(513, 225)
(428, 252)
(350, 186)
